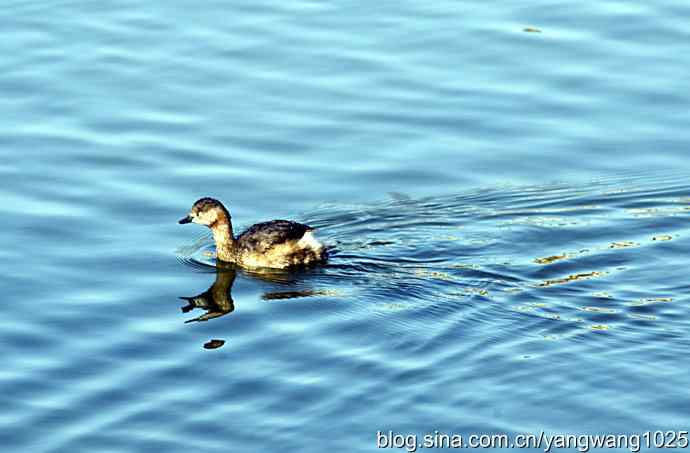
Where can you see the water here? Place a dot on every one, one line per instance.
(507, 210)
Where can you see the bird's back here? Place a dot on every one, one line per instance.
(262, 236)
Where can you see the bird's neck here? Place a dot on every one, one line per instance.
(225, 242)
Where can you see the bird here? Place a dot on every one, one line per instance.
(276, 244)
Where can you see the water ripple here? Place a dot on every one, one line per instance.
(526, 271)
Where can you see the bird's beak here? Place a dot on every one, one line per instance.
(185, 220)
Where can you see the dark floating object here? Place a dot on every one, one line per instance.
(531, 30)
(214, 344)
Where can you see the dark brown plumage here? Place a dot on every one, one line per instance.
(260, 237)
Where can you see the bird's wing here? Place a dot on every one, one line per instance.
(262, 236)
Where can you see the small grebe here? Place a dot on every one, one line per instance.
(276, 244)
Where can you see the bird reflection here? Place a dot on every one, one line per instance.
(217, 300)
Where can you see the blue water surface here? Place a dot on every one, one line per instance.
(504, 186)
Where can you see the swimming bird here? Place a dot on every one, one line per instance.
(275, 244)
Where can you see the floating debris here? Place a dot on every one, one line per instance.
(599, 310)
(571, 278)
(531, 30)
(214, 344)
(650, 301)
(468, 292)
(663, 237)
(530, 306)
(513, 290)
(599, 327)
(623, 244)
(550, 259)
(421, 272)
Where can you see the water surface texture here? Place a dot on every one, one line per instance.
(507, 210)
